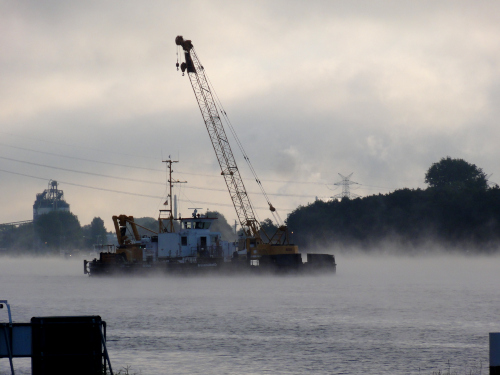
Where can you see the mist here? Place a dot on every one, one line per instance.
(378, 314)
(353, 263)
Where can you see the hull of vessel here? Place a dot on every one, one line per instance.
(214, 266)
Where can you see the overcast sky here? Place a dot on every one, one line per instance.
(90, 97)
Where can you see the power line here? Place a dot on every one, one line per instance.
(83, 159)
(81, 172)
(84, 186)
(229, 205)
(75, 145)
(126, 192)
(378, 187)
(136, 167)
(141, 181)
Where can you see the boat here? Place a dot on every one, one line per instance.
(194, 249)
(190, 247)
(147, 257)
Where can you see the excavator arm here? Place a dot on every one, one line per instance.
(120, 223)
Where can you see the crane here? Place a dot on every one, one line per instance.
(257, 243)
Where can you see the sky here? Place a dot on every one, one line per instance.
(90, 97)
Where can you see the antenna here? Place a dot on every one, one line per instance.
(346, 183)
(170, 218)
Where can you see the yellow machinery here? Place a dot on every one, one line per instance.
(256, 245)
(129, 248)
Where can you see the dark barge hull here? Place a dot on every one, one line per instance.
(316, 263)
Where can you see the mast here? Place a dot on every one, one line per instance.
(168, 227)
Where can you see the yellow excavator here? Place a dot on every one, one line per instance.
(129, 249)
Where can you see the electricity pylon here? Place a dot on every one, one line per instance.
(346, 192)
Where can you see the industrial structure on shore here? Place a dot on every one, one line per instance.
(52, 199)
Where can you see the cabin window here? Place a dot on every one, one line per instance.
(253, 243)
(241, 244)
(199, 225)
(184, 241)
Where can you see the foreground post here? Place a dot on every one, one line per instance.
(58, 345)
(495, 353)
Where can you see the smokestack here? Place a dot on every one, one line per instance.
(175, 206)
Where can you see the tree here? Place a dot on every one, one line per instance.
(59, 229)
(16, 239)
(147, 222)
(268, 227)
(456, 174)
(221, 225)
(94, 233)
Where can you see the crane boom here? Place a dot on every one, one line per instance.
(272, 248)
(220, 143)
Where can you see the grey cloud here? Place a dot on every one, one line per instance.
(379, 89)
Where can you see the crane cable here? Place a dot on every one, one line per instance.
(275, 213)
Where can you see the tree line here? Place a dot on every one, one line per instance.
(459, 211)
(53, 231)
(61, 230)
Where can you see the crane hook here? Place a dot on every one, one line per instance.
(177, 66)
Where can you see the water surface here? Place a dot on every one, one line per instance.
(377, 315)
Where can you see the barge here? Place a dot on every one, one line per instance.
(187, 245)
(195, 249)
(192, 247)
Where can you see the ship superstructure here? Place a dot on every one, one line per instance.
(187, 245)
(52, 199)
(192, 246)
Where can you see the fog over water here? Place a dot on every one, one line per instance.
(377, 315)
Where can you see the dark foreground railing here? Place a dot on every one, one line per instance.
(57, 344)
(495, 353)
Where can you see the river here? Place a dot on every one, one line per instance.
(376, 315)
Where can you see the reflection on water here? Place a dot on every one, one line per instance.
(377, 315)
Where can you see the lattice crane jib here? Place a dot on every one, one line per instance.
(220, 143)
